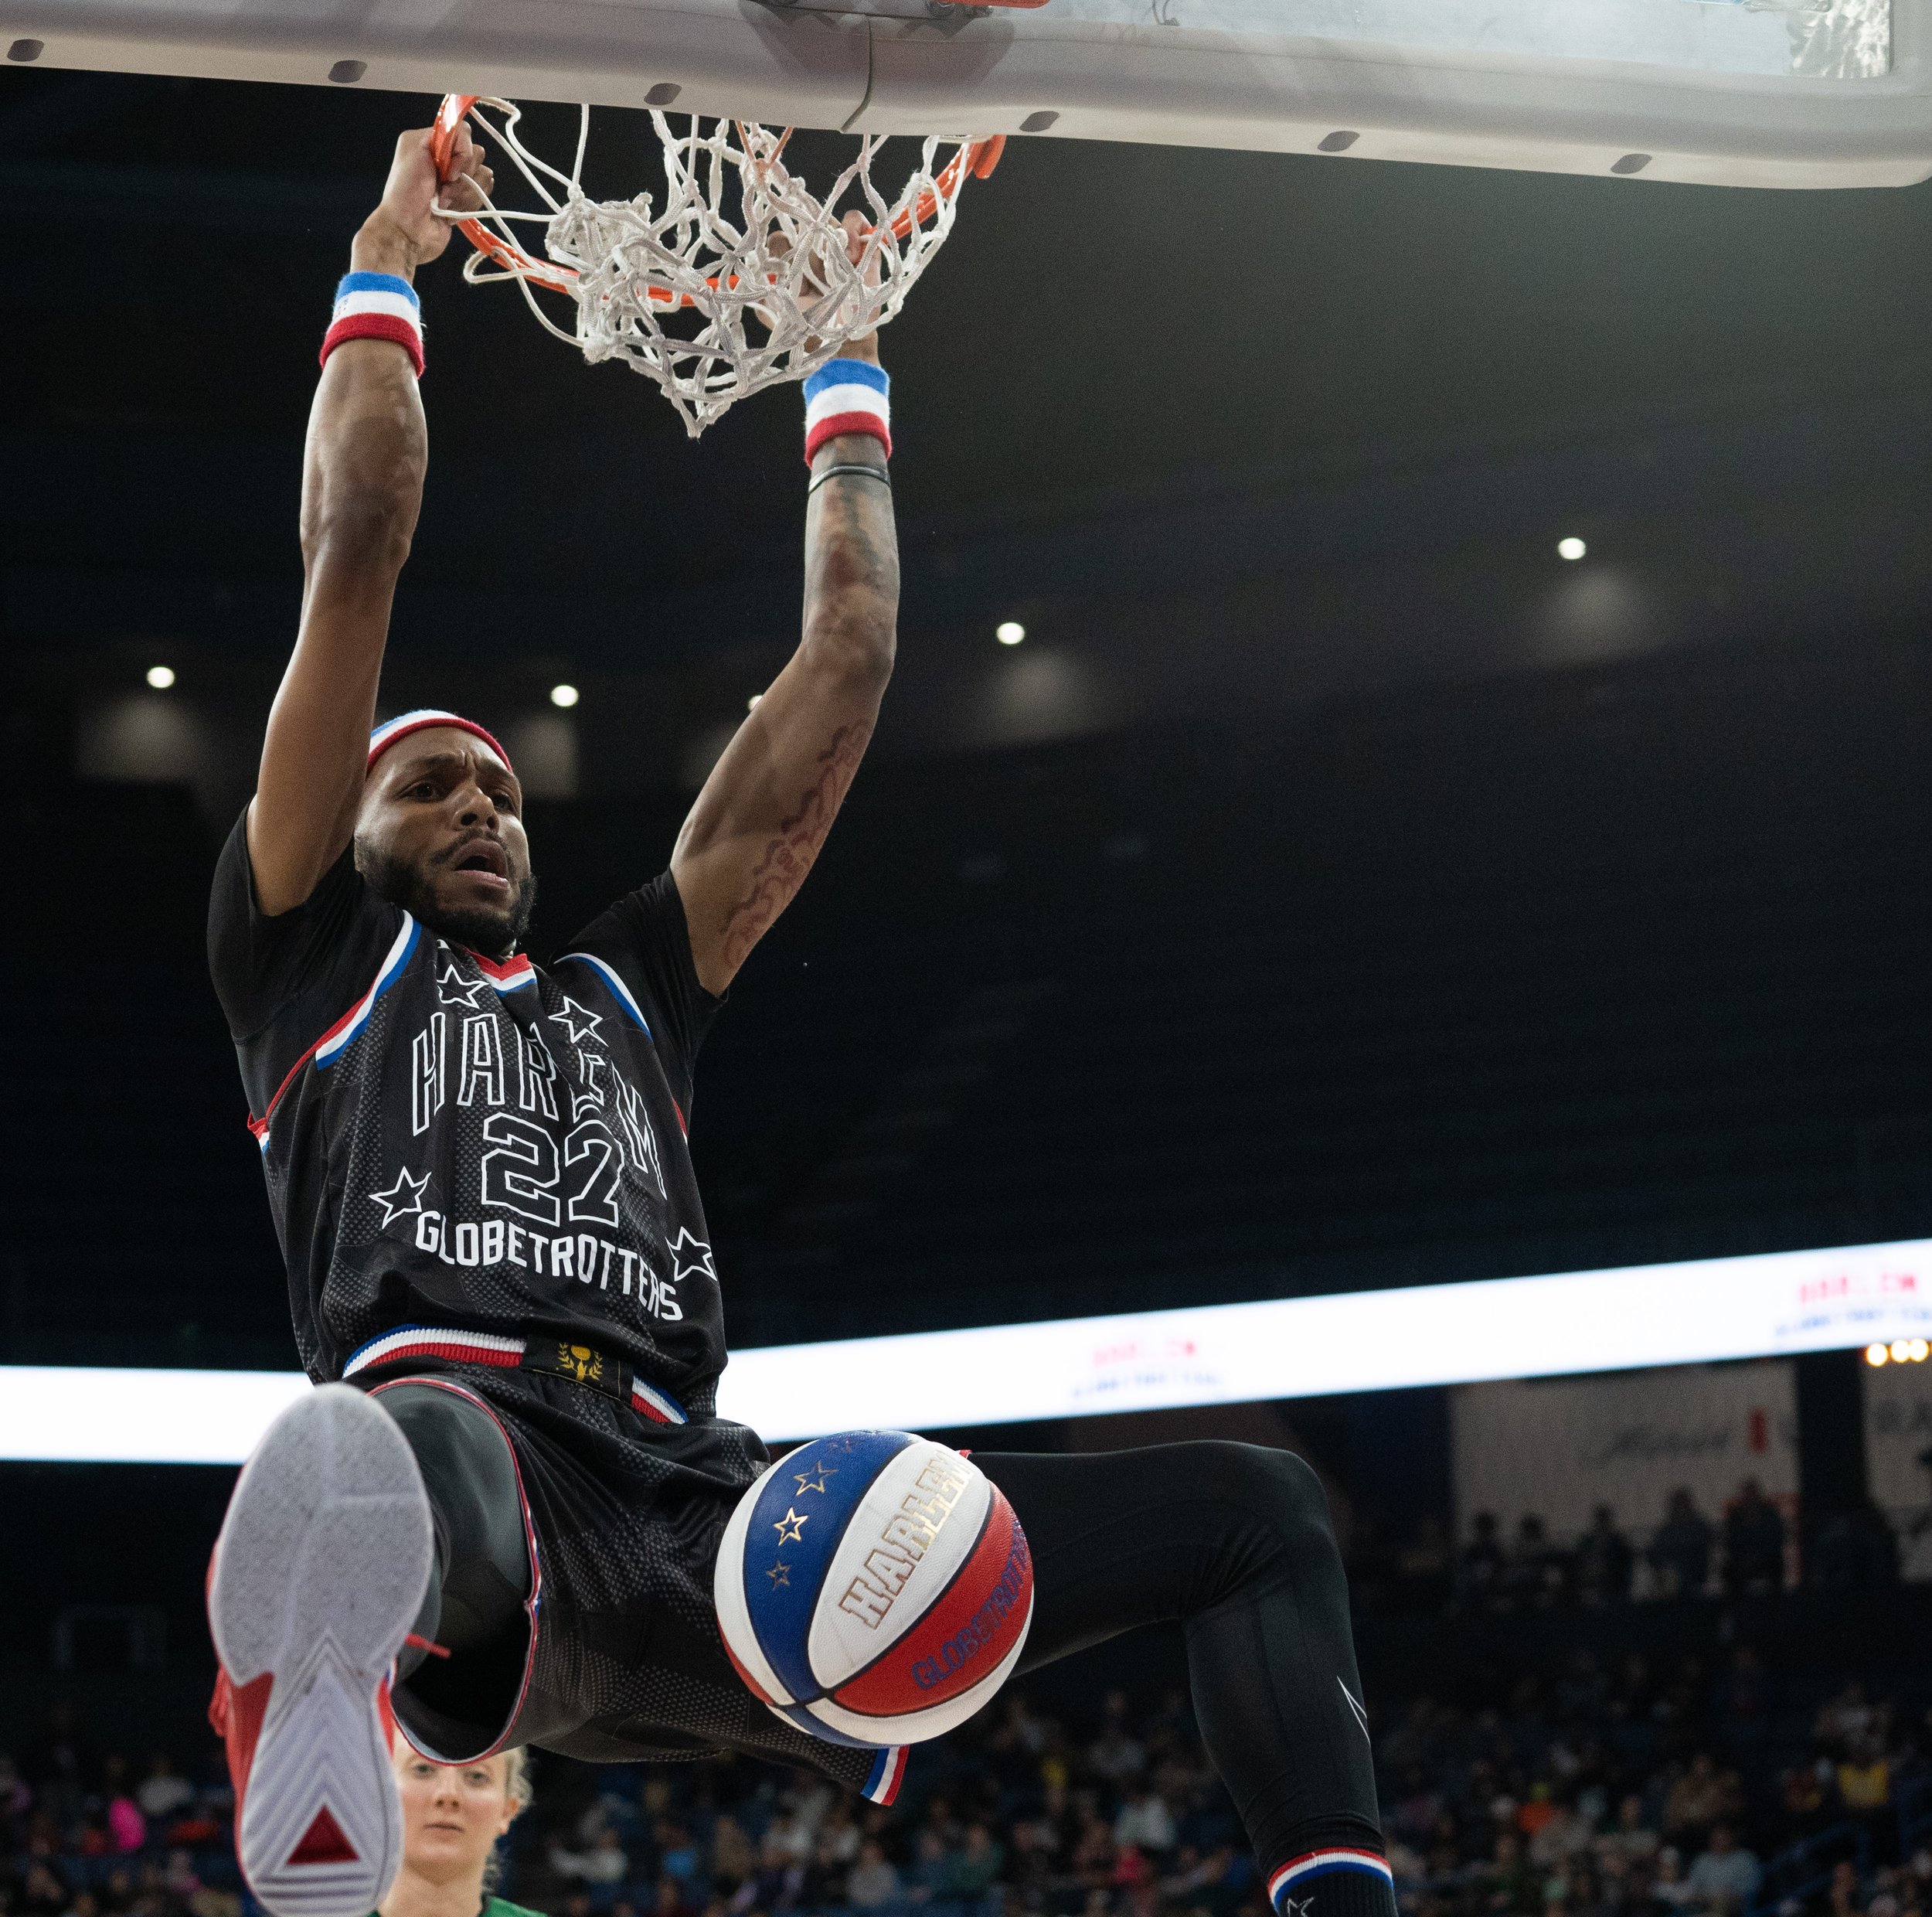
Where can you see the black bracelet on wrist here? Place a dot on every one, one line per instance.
(857, 467)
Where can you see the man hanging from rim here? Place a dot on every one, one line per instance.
(497, 1518)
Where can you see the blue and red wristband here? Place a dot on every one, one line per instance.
(377, 306)
(847, 395)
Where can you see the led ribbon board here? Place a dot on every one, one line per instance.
(1625, 1320)
(1823, 39)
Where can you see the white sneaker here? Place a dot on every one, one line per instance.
(317, 1575)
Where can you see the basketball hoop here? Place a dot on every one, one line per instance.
(736, 276)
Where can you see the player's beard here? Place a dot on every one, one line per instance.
(493, 933)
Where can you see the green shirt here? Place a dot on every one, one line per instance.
(495, 1907)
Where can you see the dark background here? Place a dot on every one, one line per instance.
(1335, 889)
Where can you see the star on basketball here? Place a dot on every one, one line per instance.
(781, 1577)
(814, 1479)
(580, 1025)
(790, 1527)
(403, 1197)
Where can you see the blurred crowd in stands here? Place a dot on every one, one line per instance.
(1664, 1782)
(1585, 1792)
(1752, 1548)
(86, 1836)
(1645, 1790)
(1648, 1792)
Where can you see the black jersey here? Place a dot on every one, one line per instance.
(452, 1142)
(497, 1153)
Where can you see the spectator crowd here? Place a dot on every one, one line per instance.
(1638, 1792)
(88, 1836)
(1615, 1783)
(1752, 1548)
(1630, 1791)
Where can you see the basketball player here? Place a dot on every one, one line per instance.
(504, 1525)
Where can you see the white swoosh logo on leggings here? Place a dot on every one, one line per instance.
(1361, 1715)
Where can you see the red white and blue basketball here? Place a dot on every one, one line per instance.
(874, 1588)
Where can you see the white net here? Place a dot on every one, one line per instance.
(735, 275)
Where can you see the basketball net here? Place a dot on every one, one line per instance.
(735, 277)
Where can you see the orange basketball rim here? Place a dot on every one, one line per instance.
(976, 157)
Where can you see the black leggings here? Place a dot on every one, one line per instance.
(474, 1607)
(1230, 1542)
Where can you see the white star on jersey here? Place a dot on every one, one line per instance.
(580, 1025)
(403, 1197)
(691, 1257)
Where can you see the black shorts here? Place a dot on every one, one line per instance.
(613, 1653)
(575, 1546)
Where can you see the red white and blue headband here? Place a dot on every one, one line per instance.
(386, 734)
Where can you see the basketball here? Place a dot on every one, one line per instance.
(874, 1589)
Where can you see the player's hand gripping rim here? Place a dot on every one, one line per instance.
(410, 225)
(859, 231)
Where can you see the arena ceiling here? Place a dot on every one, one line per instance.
(1224, 429)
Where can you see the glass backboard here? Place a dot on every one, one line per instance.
(1765, 93)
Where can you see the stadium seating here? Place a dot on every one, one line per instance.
(1577, 1765)
(1407, 993)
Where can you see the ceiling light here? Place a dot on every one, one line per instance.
(161, 677)
(1901, 1350)
(1875, 1354)
(1009, 632)
(751, 705)
(1571, 548)
(1919, 1351)
(564, 696)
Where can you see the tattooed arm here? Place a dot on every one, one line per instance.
(765, 810)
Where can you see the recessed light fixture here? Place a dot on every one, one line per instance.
(1571, 548)
(1009, 632)
(751, 705)
(564, 696)
(161, 677)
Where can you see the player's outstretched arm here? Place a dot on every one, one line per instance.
(361, 488)
(765, 810)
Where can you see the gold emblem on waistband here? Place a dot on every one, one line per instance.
(581, 1363)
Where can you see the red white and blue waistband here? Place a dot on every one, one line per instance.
(846, 396)
(1299, 1871)
(489, 1347)
(888, 1773)
(659, 1407)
